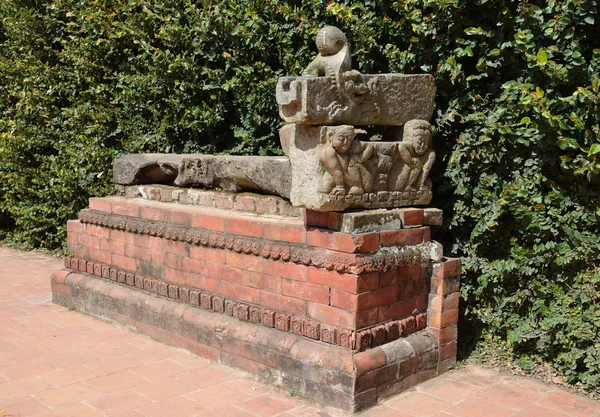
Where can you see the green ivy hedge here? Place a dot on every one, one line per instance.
(518, 122)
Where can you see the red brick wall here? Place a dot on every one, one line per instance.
(346, 300)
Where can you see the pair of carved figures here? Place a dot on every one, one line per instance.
(353, 167)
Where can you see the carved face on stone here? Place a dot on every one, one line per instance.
(341, 138)
(418, 133)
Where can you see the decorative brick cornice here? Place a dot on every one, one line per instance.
(382, 260)
(360, 340)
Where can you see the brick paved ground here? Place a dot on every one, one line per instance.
(60, 363)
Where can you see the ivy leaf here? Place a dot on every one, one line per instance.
(542, 58)
(594, 149)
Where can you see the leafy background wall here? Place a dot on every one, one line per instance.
(518, 129)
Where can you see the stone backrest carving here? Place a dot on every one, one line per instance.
(335, 165)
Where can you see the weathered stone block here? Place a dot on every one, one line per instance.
(332, 171)
(267, 174)
(394, 100)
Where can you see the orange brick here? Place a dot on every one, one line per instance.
(331, 315)
(445, 286)
(201, 282)
(412, 216)
(153, 213)
(283, 303)
(74, 226)
(284, 232)
(246, 262)
(445, 335)
(206, 221)
(404, 237)
(305, 291)
(208, 254)
(444, 302)
(240, 292)
(179, 217)
(367, 318)
(377, 298)
(448, 351)
(442, 319)
(403, 275)
(451, 267)
(287, 270)
(333, 279)
(344, 242)
(397, 310)
(223, 272)
(136, 252)
(177, 248)
(98, 231)
(244, 227)
(344, 300)
(193, 265)
(261, 281)
(123, 262)
(100, 204)
(121, 236)
(126, 208)
(315, 218)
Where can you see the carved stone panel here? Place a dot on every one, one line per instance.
(332, 170)
(384, 99)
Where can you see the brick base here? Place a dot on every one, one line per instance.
(324, 373)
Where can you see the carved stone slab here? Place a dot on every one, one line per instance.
(264, 174)
(386, 99)
(146, 168)
(333, 171)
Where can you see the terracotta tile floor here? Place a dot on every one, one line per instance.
(56, 362)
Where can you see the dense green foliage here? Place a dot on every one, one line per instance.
(518, 120)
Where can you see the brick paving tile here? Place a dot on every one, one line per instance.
(581, 407)
(25, 406)
(25, 369)
(74, 410)
(115, 382)
(227, 411)
(207, 377)
(417, 404)
(248, 386)
(381, 412)
(70, 394)
(118, 363)
(118, 402)
(21, 387)
(67, 376)
(510, 395)
(129, 413)
(538, 411)
(174, 407)
(477, 407)
(449, 389)
(217, 397)
(268, 405)
(160, 370)
(60, 363)
(164, 389)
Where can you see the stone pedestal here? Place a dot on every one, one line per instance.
(343, 308)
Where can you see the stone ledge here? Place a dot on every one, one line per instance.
(243, 202)
(322, 373)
